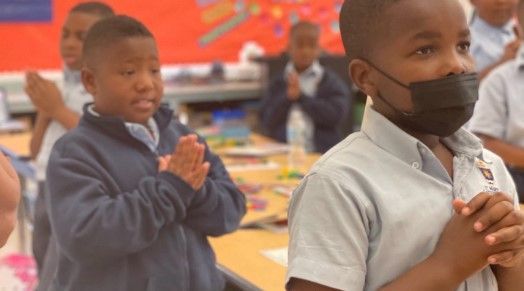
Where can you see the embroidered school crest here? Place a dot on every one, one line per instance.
(488, 176)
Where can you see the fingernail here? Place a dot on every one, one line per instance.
(478, 226)
(466, 211)
(490, 239)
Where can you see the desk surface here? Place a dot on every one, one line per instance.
(17, 142)
(277, 204)
(241, 253)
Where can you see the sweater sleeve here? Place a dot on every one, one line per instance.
(90, 222)
(219, 205)
(275, 106)
(330, 105)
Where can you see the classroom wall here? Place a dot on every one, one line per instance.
(187, 31)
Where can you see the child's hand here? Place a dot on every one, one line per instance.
(44, 94)
(9, 198)
(10, 184)
(511, 50)
(293, 87)
(187, 162)
(163, 161)
(461, 248)
(501, 223)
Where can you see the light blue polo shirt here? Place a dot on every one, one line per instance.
(375, 205)
(499, 113)
(488, 42)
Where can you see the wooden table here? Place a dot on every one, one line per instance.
(17, 142)
(240, 253)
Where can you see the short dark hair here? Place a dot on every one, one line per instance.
(360, 21)
(93, 7)
(303, 25)
(111, 30)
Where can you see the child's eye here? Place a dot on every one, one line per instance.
(464, 46)
(425, 51)
(128, 72)
(155, 71)
(81, 36)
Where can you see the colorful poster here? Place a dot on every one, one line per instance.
(187, 31)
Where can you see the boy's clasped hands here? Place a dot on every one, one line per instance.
(44, 94)
(488, 230)
(187, 162)
(293, 87)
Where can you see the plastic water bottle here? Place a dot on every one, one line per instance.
(296, 139)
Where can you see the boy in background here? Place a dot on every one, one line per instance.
(385, 209)
(58, 110)
(134, 193)
(498, 117)
(319, 94)
(494, 34)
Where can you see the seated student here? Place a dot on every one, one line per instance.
(305, 85)
(9, 198)
(58, 110)
(494, 39)
(385, 209)
(134, 193)
(498, 117)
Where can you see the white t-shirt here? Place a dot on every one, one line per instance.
(499, 113)
(75, 96)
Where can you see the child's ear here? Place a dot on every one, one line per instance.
(360, 73)
(88, 79)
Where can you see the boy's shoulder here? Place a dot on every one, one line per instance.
(348, 156)
(512, 68)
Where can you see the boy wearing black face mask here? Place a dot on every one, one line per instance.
(412, 202)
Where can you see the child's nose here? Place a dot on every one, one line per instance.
(456, 64)
(70, 42)
(144, 82)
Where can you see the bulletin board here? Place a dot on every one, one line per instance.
(187, 31)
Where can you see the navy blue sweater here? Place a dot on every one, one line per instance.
(122, 225)
(327, 109)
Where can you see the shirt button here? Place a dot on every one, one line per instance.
(415, 165)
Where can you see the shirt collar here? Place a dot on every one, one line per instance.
(394, 140)
(315, 70)
(149, 135)
(72, 76)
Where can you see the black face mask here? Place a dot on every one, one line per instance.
(440, 106)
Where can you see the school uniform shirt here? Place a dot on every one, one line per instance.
(375, 205)
(74, 97)
(120, 224)
(499, 111)
(149, 135)
(324, 100)
(488, 42)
